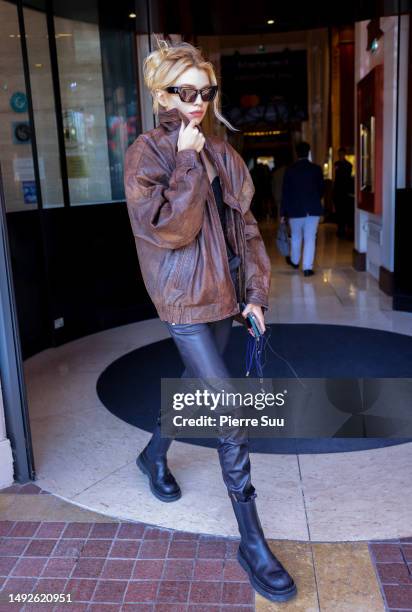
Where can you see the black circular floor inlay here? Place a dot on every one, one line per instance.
(130, 386)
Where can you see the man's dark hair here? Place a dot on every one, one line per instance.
(302, 149)
(342, 150)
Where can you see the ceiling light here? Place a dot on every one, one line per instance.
(270, 21)
(132, 15)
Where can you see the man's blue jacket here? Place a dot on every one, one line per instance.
(302, 190)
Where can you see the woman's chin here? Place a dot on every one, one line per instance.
(197, 120)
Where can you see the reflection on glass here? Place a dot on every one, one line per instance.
(84, 119)
(367, 149)
(15, 138)
(98, 90)
(75, 126)
(98, 93)
(43, 108)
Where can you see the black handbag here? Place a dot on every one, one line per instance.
(283, 240)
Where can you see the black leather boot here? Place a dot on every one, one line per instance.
(152, 462)
(266, 573)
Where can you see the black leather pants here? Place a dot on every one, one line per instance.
(201, 347)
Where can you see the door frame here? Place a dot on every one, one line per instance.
(11, 363)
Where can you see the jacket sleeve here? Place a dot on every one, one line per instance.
(257, 264)
(166, 210)
(258, 268)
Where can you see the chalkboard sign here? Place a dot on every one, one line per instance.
(268, 88)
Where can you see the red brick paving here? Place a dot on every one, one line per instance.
(393, 565)
(112, 567)
(120, 566)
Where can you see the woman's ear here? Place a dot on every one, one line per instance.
(161, 97)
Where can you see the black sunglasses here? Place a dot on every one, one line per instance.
(189, 94)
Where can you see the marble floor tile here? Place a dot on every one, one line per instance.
(297, 559)
(329, 577)
(358, 495)
(346, 579)
(86, 455)
(204, 506)
(75, 450)
(44, 508)
(61, 393)
(94, 353)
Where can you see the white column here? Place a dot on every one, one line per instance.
(383, 254)
(360, 237)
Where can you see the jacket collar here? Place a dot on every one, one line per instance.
(171, 119)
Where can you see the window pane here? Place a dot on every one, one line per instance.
(15, 140)
(43, 107)
(98, 92)
(81, 87)
(120, 92)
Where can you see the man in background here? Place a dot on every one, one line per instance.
(302, 191)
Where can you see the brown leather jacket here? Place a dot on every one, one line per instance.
(176, 225)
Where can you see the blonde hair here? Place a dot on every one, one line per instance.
(164, 65)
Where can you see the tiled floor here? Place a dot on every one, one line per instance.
(118, 566)
(87, 455)
(393, 564)
(118, 548)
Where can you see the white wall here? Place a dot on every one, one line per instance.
(6, 457)
(374, 234)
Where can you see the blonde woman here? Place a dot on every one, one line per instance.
(201, 256)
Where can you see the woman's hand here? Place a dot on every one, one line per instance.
(257, 311)
(190, 137)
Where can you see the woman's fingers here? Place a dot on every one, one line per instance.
(201, 142)
(257, 311)
(190, 137)
(261, 321)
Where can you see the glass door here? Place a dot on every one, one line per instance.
(18, 192)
